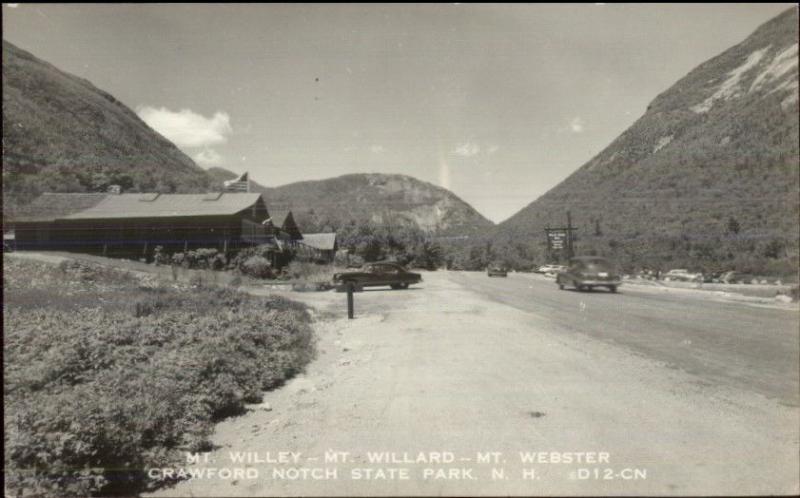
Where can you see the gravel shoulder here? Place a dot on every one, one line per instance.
(440, 368)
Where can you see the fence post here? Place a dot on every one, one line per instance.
(350, 286)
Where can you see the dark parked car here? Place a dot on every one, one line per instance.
(377, 274)
(497, 271)
(587, 272)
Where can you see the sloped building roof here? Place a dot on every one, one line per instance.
(166, 205)
(320, 241)
(284, 220)
(50, 206)
(279, 216)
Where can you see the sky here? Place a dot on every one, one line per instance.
(496, 102)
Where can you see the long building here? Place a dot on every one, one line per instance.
(134, 224)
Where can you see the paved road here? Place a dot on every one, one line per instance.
(748, 347)
(445, 368)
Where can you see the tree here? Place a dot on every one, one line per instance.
(773, 249)
(733, 225)
(429, 255)
(100, 182)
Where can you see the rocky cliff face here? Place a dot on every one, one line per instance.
(709, 172)
(394, 200)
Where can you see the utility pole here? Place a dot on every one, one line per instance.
(570, 254)
(549, 243)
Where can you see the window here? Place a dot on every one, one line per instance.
(386, 268)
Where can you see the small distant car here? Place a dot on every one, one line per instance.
(681, 275)
(735, 277)
(377, 274)
(588, 272)
(547, 268)
(497, 271)
(551, 269)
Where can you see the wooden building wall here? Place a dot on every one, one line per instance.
(137, 237)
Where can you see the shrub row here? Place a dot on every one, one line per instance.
(253, 262)
(95, 396)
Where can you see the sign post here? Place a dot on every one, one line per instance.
(350, 288)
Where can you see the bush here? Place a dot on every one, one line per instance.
(253, 261)
(159, 257)
(256, 267)
(94, 396)
(311, 273)
(199, 259)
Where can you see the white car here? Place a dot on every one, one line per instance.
(681, 275)
(551, 269)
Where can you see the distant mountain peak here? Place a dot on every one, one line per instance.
(378, 198)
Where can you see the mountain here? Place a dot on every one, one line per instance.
(62, 134)
(219, 175)
(707, 177)
(377, 199)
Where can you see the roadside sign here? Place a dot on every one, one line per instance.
(560, 240)
(557, 239)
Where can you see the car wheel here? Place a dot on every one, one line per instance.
(395, 286)
(404, 285)
(560, 286)
(612, 288)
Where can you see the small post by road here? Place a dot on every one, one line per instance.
(350, 288)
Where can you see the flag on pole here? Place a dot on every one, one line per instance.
(241, 184)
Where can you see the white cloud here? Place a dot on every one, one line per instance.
(208, 158)
(377, 149)
(467, 149)
(492, 149)
(186, 128)
(576, 125)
